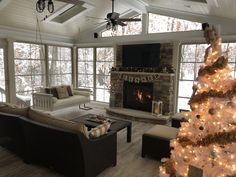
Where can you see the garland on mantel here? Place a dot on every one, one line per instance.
(139, 79)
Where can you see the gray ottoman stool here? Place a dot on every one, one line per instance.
(156, 141)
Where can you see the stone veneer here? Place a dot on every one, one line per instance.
(163, 85)
(163, 89)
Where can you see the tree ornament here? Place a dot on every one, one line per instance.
(214, 154)
(201, 128)
(231, 104)
(211, 111)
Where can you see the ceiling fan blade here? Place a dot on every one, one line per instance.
(121, 23)
(76, 2)
(99, 23)
(130, 19)
(97, 18)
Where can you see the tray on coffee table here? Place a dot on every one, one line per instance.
(117, 124)
(98, 118)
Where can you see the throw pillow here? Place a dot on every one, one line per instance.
(52, 91)
(58, 122)
(69, 90)
(12, 109)
(62, 92)
(99, 130)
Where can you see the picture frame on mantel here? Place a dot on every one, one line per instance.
(157, 108)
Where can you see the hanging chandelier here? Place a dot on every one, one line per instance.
(41, 4)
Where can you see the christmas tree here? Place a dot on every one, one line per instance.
(208, 139)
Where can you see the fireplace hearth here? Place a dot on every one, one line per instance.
(138, 96)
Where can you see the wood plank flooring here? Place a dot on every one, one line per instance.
(129, 160)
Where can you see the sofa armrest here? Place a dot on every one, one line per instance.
(100, 153)
(84, 92)
(43, 101)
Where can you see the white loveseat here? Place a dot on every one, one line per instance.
(48, 101)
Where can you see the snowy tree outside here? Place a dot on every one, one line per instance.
(29, 68)
(2, 77)
(191, 59)
(60, 65)
(90, 68)
(162, 24)
(85, 68)
(104, 63)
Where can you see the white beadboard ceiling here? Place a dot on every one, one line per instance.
(21, 14)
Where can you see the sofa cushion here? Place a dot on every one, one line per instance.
(74, 100)
(56, 122)
(62, 92)
(12, 109)
(69, 90)
(99, 130)
(52, 91)
(162, 132)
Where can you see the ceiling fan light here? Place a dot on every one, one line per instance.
(50, 6)
(108, 26)
(114, 27)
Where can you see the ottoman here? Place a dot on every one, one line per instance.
(156, 141)
(177, 118)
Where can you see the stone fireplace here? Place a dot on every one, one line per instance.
(137, 89)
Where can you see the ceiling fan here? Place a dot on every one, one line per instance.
(113, 19)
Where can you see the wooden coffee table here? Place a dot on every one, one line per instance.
(116, 124)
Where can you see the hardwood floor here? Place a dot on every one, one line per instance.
(129, 160)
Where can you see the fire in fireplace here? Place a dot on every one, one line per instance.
(138, 96)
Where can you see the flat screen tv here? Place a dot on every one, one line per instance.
(141, 55)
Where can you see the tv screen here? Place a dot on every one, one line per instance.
(141, 55)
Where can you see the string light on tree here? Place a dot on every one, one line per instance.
(208, 140)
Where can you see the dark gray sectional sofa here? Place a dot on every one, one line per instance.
(63, 150)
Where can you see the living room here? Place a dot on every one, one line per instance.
(153, 49)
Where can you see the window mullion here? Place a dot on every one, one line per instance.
(94, 73)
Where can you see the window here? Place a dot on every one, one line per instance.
(192, 56)
(29, 69)
(60, 67)
(132, 28)
(2, 77)
(85, 68)
(94, 73)
(162, 24)
(104, 62)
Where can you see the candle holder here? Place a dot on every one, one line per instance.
(157, 108)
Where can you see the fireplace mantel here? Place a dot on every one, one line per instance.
(141, 73)
(141, 76)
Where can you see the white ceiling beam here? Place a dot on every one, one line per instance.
(212, 3)
(138, 5)
(4, 3)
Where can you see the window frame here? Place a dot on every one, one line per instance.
(150, 32)
(48, 74)
(195, 73)
(94, 75)
(30, 59)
